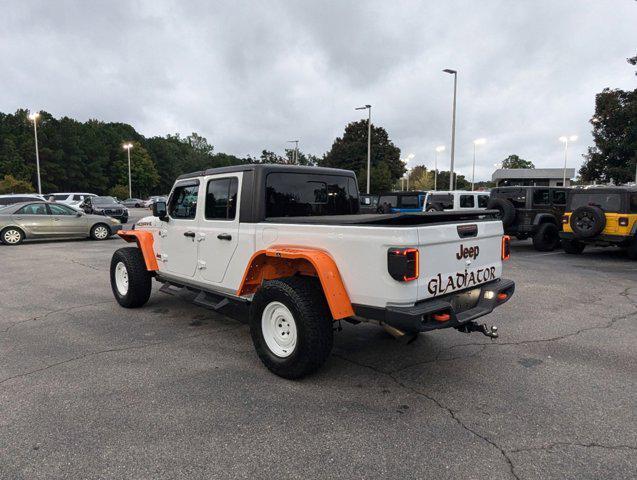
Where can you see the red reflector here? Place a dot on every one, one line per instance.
(502, 296)
(441, 317)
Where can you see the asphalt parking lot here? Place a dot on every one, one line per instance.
(90, 390)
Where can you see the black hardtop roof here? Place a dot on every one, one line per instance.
(536, 187)
(266, 168)
(607, 189)
(404, 192)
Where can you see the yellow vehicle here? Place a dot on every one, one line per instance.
(601, 216)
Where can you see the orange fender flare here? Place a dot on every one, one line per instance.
(145, 242)
(278, 262)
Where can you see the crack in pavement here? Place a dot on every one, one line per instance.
(549, 446)
(119, 349)
(92, 267)
(452, 413)
(44, 315)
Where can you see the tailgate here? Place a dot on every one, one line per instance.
(457, 256)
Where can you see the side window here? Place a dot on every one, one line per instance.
(391, 200)
(541, 197)
(78, 197)
(483, 201)
(633, 203)
(33, 209)
(409, 201)
(57, 209)
(183, 202)
(467, 201)
(559, 197)
(221, 199)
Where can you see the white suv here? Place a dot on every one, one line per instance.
(71, 199)
(455, 201)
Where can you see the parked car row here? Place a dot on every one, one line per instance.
(549, 216)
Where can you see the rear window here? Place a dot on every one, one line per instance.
(483, 201)
(443, 200)
(391, 200)
(559, 197)
(59, 196)
(609, 202)
(12, 200)
(304, 195)
(541, 197)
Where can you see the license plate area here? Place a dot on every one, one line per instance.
(465, 300)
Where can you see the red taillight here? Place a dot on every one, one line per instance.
(623, 221)
(506, 247)
(402, 264)
(502, 296)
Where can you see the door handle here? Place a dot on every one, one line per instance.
(189, 234)
(224, 236)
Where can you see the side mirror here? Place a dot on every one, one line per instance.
(160, 211)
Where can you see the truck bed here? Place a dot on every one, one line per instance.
(389, 219)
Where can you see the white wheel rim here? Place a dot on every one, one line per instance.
(101, 232)
(12, 236)
(279, 329)
(121, 278)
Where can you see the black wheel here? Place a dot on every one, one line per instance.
(130, 281)
(506, 210)
(291, 326)
(12, 236)
(137, 205)
(587, 221)
(100, 231)
(547, 238)
(631, 250)
(573, 246)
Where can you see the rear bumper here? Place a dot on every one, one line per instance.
(602, 239)
(419, 318)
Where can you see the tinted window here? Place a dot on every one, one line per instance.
(103, 200)
(409, 201)
(12, 200)
(444, 200)
(466, 201)
(299, 194)
(633, 203)
(61, 210)
(483, 201)
(183, 202)
(391, 200)
(541, 197)
(221, 199)
(78, 197)
(33, 209)
(559, 197)
(610, 202)
(59, 196)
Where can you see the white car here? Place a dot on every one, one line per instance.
(288, 242)
(72, 199)
(455, 201)
(12, 198)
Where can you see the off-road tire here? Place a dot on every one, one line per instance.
(9, 231)
(595, 221)
(631, 250)
(506, 209)
(94, 236)
(139, 279)
(546, 238)
(573, 246)
(304, 298)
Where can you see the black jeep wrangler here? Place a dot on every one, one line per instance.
(534, 212)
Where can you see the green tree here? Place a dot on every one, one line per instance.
(350, 152)
(460, 180)
(514, 161)
(144, 175)
(119, 191)
(10, 184)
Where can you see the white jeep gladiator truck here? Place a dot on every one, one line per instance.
(288, 242)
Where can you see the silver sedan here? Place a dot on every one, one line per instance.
(51, 220)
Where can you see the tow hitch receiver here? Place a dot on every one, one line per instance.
(491, 332)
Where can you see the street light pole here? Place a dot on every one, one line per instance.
(440, 148)
(295, 152)
(127, 147)
(479, 141)
(565, 141)
(369, 142)
(453, 125)
(34, 116)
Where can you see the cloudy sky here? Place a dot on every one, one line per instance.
(252, 75)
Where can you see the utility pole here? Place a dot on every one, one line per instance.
(453, 126)
(127, 147)
(369, 142)
(34, 116)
